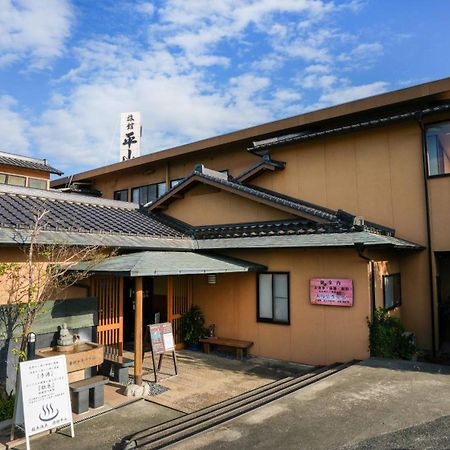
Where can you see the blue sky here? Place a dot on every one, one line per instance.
(198, 68)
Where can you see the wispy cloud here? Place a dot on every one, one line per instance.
(33, 30)
(13, 127)
(206, 68)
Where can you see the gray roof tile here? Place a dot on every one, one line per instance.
(10, 159)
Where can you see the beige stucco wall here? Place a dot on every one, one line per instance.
(316, 334)
(16, 255)
(236, 160)
(204, 205)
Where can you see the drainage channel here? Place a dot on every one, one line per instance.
(168, 433)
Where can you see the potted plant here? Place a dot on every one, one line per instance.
(193, 327)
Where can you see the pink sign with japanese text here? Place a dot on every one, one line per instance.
(331, 291)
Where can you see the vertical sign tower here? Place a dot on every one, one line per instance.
(130, 135)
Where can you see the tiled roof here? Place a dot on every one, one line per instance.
(72, 213)
(10, 159)
(322, 214)
(266, 164)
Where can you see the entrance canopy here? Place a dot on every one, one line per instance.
(155, 264)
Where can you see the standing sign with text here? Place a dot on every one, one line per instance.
(44, 400)
(162, 338)
(130, 135)
(331, 291)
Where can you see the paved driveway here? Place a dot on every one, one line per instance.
(376, 404)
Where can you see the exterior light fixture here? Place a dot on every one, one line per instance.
(212, 278)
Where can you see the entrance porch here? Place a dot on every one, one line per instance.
(139, 289)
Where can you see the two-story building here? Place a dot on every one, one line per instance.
(356, 194)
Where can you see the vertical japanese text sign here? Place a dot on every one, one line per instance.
(43, 402)
(130, 135)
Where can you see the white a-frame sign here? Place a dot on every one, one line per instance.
(43, 399)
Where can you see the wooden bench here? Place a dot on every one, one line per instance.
(88, 392)
(241, 347)
(119, 366)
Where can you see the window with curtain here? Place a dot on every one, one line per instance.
(273, 297)
(438, 148)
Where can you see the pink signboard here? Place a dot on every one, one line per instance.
(331, 291)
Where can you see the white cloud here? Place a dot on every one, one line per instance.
(188, 87)
(145, 8)
(13, 127)
(33, 29)
(348, 93)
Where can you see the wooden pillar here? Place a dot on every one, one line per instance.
(138, 332)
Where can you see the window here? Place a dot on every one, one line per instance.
(149, 193)
(273, 297)
(392, 291)
(2, 178)
(438, 148)
(15, 180)
(121, 195)
(37, 183)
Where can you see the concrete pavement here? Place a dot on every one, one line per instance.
(356, 408)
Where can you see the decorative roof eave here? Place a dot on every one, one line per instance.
(266, 165)
(163, 263)
(323, 240)
(261, 147)
(19, 237)
(238, 189)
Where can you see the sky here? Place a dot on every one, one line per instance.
(198, 68)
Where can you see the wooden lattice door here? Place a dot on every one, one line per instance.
(179, 301)
(109, 293)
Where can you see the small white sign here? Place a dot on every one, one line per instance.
(130, 135)
(168, 342)
(43, 401)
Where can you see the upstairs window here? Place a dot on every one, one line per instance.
(392, 291)
(438, 148)
(122, 195)
(37, 183)
(273, 297)
(148, 193)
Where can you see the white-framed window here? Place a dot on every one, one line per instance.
(273, 298)
(438, 148)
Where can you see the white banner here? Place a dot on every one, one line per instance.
(130, 135)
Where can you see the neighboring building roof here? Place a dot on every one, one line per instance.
(75, 217)
(156, 263)
(26, 162)
(355, 110)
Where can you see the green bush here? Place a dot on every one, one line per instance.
(7, 407)
(387, 338)
(193, 325)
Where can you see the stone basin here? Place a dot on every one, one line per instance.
(82, 356)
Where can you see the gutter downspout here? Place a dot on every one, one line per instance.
(428, 218)
(360, 248)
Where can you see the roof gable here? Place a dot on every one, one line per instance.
(282, 203)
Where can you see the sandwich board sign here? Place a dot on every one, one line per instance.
(43, 400)
(161, 340)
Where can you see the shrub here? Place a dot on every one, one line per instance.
(387, 337)
(7, 407)
(193, 325)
